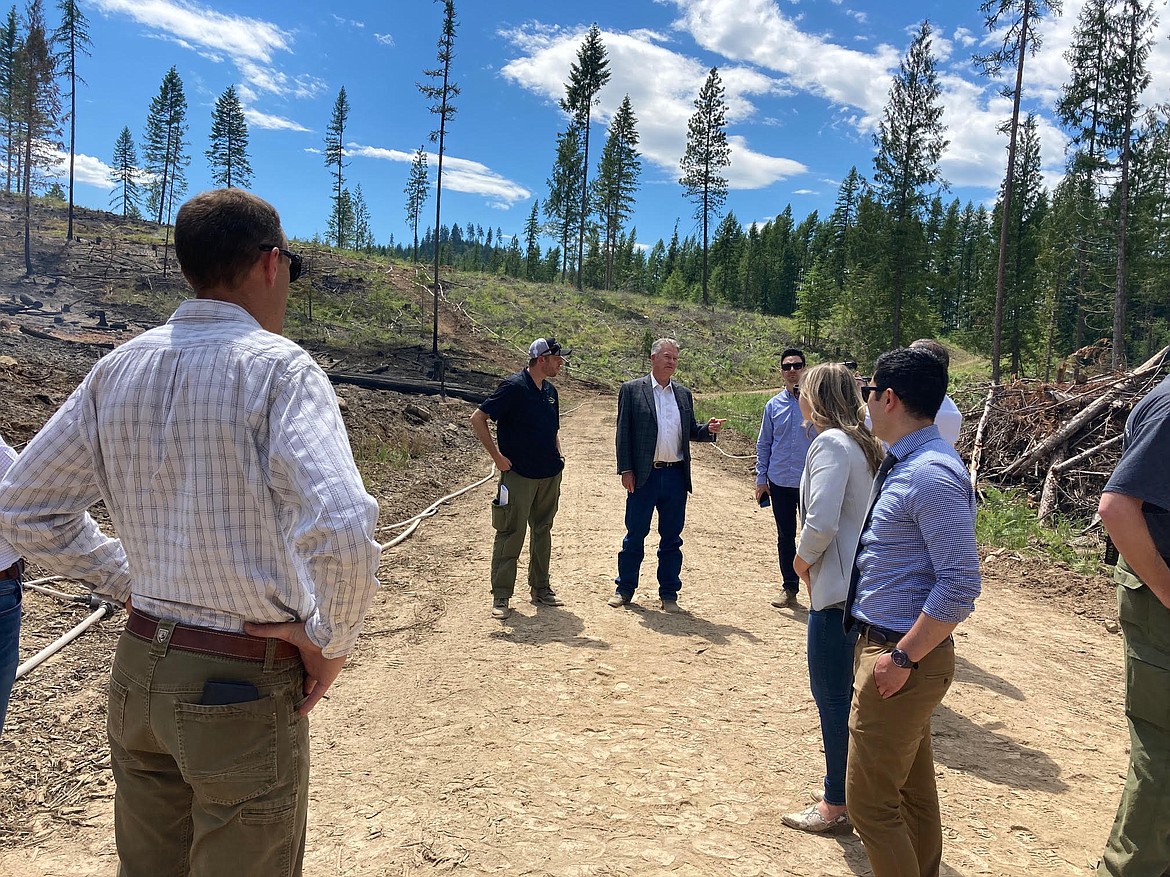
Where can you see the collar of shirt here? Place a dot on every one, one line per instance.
(908, 444)
(211, 309)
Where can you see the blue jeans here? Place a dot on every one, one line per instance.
(666, 492)
(9, 640)
(830, 676)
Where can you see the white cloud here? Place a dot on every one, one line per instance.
(350, 22)
(662, 86)
(270, 122)
(86, 169)
(251, 44)
(384, 38)
(459, 174)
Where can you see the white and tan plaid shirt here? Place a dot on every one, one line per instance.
(223, 461)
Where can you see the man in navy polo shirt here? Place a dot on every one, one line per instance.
(527, 413)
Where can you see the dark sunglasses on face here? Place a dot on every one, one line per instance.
(296, 263)
(789, 366)
(866, 389)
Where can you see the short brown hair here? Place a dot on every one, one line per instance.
(219, 235)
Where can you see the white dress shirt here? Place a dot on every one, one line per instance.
(223, 461)
(668, 448)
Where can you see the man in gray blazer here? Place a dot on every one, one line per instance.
(655, 425)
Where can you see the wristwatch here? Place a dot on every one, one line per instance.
(900, 658)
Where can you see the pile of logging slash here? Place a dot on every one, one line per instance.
(1059, 442)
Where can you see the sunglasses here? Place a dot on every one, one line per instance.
(790, 366)
(866, 389)
(296, 263)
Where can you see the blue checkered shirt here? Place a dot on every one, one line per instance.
(918, 552)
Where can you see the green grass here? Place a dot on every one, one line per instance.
(742, 410)
(1004, 520)
(720, 348)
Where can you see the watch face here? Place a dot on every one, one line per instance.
(900, 658)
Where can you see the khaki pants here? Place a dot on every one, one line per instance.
(206, 790)
(532, 505)
(1139, 844)
(889, 781)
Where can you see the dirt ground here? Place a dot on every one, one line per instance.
(585, 740)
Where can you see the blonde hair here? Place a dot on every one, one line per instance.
(834, 402)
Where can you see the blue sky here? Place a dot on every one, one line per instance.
(806, 83)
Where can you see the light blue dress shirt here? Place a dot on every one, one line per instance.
(783, 443)
(918, 553)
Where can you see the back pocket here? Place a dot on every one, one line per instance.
(227, 753)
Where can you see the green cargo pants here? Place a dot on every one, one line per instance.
(532, 505)
(1139, 845)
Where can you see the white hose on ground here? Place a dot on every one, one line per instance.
(48, 651)
(430, 510)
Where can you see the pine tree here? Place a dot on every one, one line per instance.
(1099, 105)
(442, 96)
(335, 158)
(341, 219)
(561, 208)
(164, 146)
(418, 186)
(532, 243)
(1020, 38)
(228, 155)
(363, 236)
(706, 156)
(617, 180)
(71, 39)
(587, 76)
(40, 108)
(909, 145)
(125, 198)
(10, 44)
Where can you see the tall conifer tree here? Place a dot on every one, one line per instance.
(40, 106)
(125, 197)
(587, 76)
(71, 39)
(335, 159)
(228, 154)
(418, 186)
(442, 94)
(706, 156)
(617, 181)
(909, 145)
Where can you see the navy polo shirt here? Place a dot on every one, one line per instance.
(527, 419)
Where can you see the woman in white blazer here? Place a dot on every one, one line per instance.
(834, 497)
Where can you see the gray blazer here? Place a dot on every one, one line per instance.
(834, 496)
(637, 428)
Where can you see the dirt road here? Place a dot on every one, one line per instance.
(590, 741)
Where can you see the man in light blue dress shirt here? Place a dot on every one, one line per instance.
(916, 578)
(780, 452)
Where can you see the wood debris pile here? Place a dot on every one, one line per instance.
(1060, 442)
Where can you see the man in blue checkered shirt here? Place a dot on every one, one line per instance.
(917, 578)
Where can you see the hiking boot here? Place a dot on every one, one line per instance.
(617, 600)
(546, 597)
(786, 599)
(500, 607)
(670, 606)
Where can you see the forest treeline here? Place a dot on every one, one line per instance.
(1041, 273)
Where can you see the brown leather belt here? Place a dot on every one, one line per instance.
(207, 641)
(13, 572)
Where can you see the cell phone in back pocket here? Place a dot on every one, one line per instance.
(217, 692)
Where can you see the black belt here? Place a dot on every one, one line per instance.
(878, 636)
(13, 572)
(659, 464)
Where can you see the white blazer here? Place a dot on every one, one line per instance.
(834, 496)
